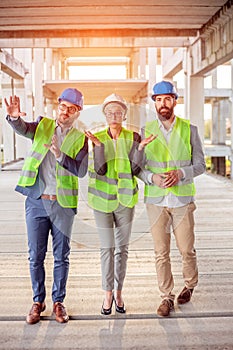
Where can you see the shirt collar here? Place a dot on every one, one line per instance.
(64, 132)
(161, 126)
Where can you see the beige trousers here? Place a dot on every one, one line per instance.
(180, 221)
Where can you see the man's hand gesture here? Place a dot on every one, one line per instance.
(13, 107)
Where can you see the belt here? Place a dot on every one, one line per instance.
(50, 197)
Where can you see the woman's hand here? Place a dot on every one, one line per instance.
(93, 138)
(146, 141)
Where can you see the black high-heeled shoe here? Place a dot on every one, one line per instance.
(120, 309)
(106, 311)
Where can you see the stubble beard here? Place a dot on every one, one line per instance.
(167, 113)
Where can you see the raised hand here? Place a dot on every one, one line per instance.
(146, 141)
(93, 138)
(13, 107)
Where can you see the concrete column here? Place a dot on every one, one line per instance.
(23, 89)
(197, 100)
(142, 63)
(166, 55)
(194, 98)
(1, 122)
(134, 64)
(56, 65)
(223, 113)
(186, 68)
(136, 117)
(220, 112)
(152, 62)
(49, 72)
(63, 67)
(231, 116)
(130, 124)
(38, 81)
(137, 111)
(8, 136)
(214, 124)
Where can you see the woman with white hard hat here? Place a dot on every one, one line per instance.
(113, 193)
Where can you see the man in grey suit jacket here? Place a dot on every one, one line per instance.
(170, 163)
(49, 179)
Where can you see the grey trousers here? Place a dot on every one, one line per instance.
(114, 231)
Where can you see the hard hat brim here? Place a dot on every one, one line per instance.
(154, 96)
(118, 102)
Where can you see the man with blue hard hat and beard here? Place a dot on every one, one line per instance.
(171, 162)
(49, 179)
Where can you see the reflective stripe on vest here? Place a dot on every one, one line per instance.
(162, 157)
(117, 185)
(43, 135)
(67, 184)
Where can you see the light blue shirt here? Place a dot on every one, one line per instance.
(48, 166)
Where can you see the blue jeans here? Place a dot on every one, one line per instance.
(43, 217)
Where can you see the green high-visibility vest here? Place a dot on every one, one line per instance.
(162, 157)
(118, 185)
(66, 182)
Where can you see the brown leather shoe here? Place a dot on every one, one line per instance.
(185, 296)
(60, 312)
(165, 307)
(34, 314)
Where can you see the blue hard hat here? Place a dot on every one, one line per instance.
(164, 88)
(73, 96)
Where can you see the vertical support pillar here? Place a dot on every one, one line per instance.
(137, 71)
(152, 63)
(23, 89)
(38, 78)
(196, 105)
(166, 54)
(134, 64)
(49, 73)
(133, 117)
(8, 135)
(231, 114)
(63, 67)
(56, 65)
(215, 111)
(214, 124)
(142, 63)
(194, 97)
(223, 113)
(1, 121)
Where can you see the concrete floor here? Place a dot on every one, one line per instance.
(204, 323)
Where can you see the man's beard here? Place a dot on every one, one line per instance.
(166, 113)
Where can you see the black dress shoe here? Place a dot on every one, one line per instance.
(106, 311)
(120, 309)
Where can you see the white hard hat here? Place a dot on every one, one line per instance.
(117, 99)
